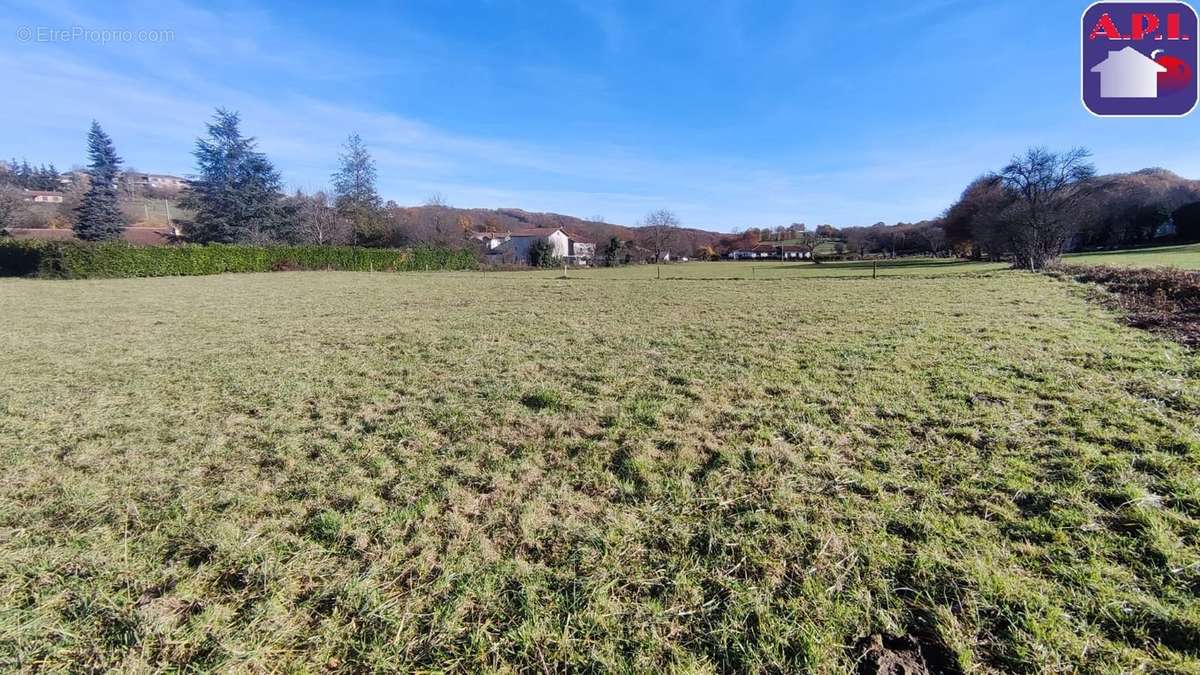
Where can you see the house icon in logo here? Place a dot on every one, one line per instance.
(1128, 73)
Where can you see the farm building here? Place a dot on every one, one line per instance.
(153, 181)
(515, 247)
(42, 196)
(771, 251)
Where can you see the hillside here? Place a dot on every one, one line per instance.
(447, 219)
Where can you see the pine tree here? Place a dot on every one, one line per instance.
(355, 195)
(236, 194)
(100, 212)
(354, 182)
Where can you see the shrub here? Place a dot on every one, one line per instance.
(1159, 298)
(81, 260)
(541, 254)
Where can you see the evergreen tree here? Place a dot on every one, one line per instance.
(236, 194)
(100, 212)
(355, 195)
(53, 178)
(612, 252)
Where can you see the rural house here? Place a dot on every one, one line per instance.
(154, 181)
(515, 247)
(42, 196)
(771, 251)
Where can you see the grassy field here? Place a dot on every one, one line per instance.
(1184, 257)
(767, 269)
(504, 472)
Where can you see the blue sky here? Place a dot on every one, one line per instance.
(733, 114)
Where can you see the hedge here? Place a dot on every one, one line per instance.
(82, 260)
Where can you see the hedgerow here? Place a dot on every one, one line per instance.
(80, 260)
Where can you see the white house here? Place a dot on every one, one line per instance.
(43, 196)
(154, 181)
(1128, 73)
(514, 247)
(771, 251)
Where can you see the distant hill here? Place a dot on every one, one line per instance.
(1130, 208)
(453, 221)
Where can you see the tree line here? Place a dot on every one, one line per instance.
(24, 176)
(1038, 206)
(236, 196)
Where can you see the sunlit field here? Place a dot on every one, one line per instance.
(1183, 257)
(608, 473)
(774, 269)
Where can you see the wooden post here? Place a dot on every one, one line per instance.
(874, 269)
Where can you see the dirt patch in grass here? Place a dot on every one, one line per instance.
(1163, 299)
(892, 655)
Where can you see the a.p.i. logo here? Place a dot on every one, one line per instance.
(1140, 59)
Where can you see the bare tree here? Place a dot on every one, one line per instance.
(935, 238)
(859, 240)
(439, 217)
(320, 222)
(811, 240)
(662, 226)
(1046, 188)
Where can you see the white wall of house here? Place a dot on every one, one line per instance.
(561, 243)
(583, 252)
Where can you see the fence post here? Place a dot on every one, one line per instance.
(874, 269)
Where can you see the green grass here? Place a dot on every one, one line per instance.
(1183, 257)
(767, 269)
(467, 471)
(154, 212)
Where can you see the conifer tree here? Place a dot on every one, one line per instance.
(100, 212)
(236, 193)
(53, 178)
(355, 195)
